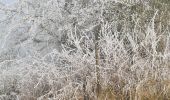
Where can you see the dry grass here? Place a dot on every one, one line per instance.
(147, 90)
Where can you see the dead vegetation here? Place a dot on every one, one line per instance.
(119, 52)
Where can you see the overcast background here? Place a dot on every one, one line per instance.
(8, 1)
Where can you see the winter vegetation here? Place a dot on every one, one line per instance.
(85, 50)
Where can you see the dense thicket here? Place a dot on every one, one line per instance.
(85, 50)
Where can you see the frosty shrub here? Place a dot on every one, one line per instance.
(85, 50)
